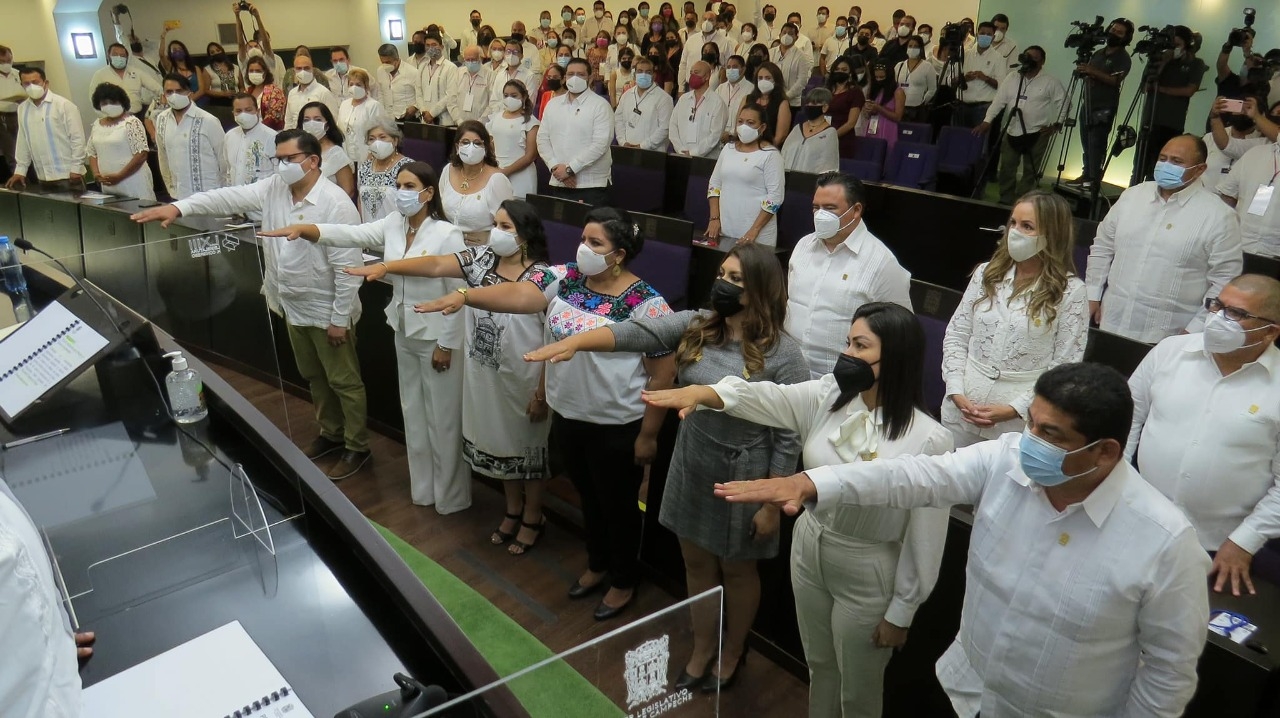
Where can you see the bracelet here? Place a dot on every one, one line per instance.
(446, 350)
(463, 291)
(713, 219)
(385, 268)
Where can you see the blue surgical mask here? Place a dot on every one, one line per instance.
(734, 74)
(1042, 461)
(563, 60)
(644, 80)
(984, 41)
(1168, 175)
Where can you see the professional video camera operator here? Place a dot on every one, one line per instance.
(1103, 75)
(1035, 101)
(1178, 79)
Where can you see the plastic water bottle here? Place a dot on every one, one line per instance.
(186, 391)
(15, 285)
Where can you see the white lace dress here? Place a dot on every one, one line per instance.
(993, 352)
(115, 146)
(510, 140)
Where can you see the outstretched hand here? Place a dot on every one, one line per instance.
(371, 273)
(686, 399)
(165, 213)
(446, 305)
(555, 352)
(788, 493)
(290, 233)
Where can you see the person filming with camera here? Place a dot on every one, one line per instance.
(1103, 74)
(1035, 101)
(1177, 81)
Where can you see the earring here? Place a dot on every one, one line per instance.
(617, 269)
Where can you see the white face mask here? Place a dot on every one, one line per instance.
(246, 120)
(747, 36)
(381, 149)
(315, 128)
(112, 110)
(747, 134)
(576, 84)
(512, 103)
(1023, 246)
(119, 62)
(708, 26)
(821, 18)
(926, 37)
(253, 52)
(1178, 52)
(788, 40)
(35, 92)
(503, 243)
(471, 154)
(1223, 336)
(304, 77)
(257, 78)
(622, 39)
(179, 101)
(599, 14)
(826, 224)
(497, 55)
(6, 68)
(291, 173)
(407, 202)
(904, 30)
(766, 86)
(358, 92)
(513, 60)
(913, 53)
(999, 36)
(591, 263)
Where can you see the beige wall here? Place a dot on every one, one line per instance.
(27, 27)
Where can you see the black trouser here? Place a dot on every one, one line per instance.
(1093, 139)
(600, 461)
(594, 196)
(1160, 135)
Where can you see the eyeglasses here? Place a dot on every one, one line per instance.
(289, 158)
(1213, 305)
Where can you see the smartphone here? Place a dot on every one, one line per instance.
(173, 24)
(1235, 107)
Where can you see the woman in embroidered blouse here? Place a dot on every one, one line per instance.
(430, 386)
(858, 573)
(1023, 313)
(504, 407)
(117, 146)
(260, 83)
(745, 190)
(471, 184)
(602, 427)
(376, 175)
(224, 74)
(742, 336)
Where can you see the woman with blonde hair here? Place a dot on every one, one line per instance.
(740, 336)
(357, 114)
(1024, 312)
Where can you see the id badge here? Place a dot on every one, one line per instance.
(873, 124)
(1261, 199)
(467, 103)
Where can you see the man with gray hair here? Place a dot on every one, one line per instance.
(396, 85)
(469, 93)
(1206, 420)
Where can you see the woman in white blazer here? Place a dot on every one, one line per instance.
(430, 381)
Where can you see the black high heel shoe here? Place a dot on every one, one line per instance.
(713, 683)
(690, 681)
(499, 537)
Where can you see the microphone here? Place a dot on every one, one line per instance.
(26, 246)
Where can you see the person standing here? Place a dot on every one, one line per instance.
(692, 51)
(504, 408)
(250, 147)
(437, 77)
(260, 83)
(918, 80)
(223, 75)
(745, 191)
(357, 113)
(1179, 76)
(1104, 76)
(1024, 312)
(188, 143)
(397, 84)
(1164, 247)
(837, 269)
(643, 117)
(50, 135)
(335, 165)
(339, 77)
(306, 286)
(117, 146)
(847, 102)
(11, 96)
(177, 62)
(1248, 188)
(603, 429)
(1035, 102)
(512, 70)
(472, 187)
(813, 146)
(376, 174)
(469, 94)
(796, 65)
(697, 117)
(430, 374)
(840, 42)
(1230, 136)
(858, 573)
(515, 139)
(733, 92)
(1085, 587)
(141, 86)
(305, 92)
(983, 69)
(577, 128)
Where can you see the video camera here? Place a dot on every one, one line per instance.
(1086, 38)
(953, 36)
(1237, 36)
(1157, 42)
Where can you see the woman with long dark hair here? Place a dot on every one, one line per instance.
(504, 408)
(602, 428)
(430, 391)
(177, 61)
(317, 120)
(745, 191)
(224, 74)
(770, 94)
(260, 83)
(471, 184)
(515, 137)
(886, 102)
(740, 336)
(846, 102)
(858, 573)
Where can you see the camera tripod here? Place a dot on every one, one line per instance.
(1083, 109)
(1148, 97)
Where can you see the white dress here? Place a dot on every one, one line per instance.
(332, 161)
(498, 440)
(747, 182)
(115, 146)
(473, 213)
(993, 352)
(510, 140)
(354, 121)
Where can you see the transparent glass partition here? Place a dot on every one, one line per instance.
(629, 672)
(126, 490)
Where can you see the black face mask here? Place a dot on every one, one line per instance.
(863, 40)
(690, 23)
(417, 48)
(839, 77)
(728, 17)
(517, 37)
(1241, 123)
(218, 57)
(135, 46)
(813, 112)
(710, 59)
(553, 84)
(1115, 41)
(626, 64)
(654, 58)
(770, 18)
(726, 298)
(484, 40)
(475, 23)
(853, 375)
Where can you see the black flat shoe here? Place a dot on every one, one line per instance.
(715, 684)
(604, 611)
(577, 590)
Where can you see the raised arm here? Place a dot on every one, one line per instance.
(922, 547)
(444, 265)
(648, 334)
(506, 298)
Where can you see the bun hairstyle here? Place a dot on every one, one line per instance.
(621, 230)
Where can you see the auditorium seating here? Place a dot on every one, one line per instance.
(912, 165)
(921, 132)
(959, 155)
(934, 306)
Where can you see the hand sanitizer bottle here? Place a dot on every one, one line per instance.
(186, 391)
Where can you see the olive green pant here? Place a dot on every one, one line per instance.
(336, 387)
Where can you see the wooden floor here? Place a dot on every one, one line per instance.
(531, 589)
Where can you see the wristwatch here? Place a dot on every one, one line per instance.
(569, 171)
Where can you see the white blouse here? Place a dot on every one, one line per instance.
(853, 434)
(747, 182)
(354, 121)
(993, 351)
(817, 154)
(473, 212)
(919, 85)
(332, 161)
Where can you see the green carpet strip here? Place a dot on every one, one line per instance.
(555, 691)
